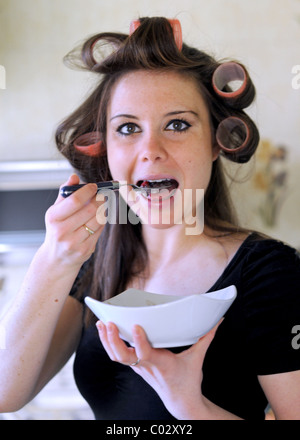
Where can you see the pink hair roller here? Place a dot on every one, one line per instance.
(232, 134)
(176, 26)
(226, 73)
(89, 144)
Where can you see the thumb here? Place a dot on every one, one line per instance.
(205, 341)
(212, 332)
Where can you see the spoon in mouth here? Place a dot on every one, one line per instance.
(147, 187)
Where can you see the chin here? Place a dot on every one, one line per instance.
(158, 215)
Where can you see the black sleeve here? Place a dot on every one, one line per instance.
(272, 307)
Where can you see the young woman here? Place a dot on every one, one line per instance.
(157, 116)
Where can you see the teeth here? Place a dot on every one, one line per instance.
(154, 186)
(159, 180)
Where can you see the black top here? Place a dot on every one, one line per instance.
(254, 339)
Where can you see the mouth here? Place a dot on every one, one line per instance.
(158, 189)
(154, 186)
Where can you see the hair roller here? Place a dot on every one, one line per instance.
(237, 138)
(225, 76)
(109, 43)
(88, 51)
(133, 26)
(89, 144)
(176, 27)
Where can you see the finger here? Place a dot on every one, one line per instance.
(86, 216)
(88, 231)
(79, 199)
(122, 352)
(114, 345)
(102, 331)
(211, 334)
(65, 208)
(204, 342)
(143, 348)
(91, 236)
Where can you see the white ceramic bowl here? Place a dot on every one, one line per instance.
(169, 321)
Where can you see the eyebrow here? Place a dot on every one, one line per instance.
(176, 112)
(123, 115)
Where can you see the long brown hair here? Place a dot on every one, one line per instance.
(121, 253)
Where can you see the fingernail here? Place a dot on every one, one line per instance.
(110, 327)
(99, 326)
(136, 330)
(94, 186)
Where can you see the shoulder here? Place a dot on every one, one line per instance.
(265, 270)
(254, 254)
(265, 254)
(270, 281)
(270, 303)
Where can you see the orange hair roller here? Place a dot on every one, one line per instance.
(89, 144)
(176, 26)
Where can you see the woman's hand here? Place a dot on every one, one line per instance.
(67, 241)
(176, 378)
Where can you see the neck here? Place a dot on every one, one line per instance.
(165, 245)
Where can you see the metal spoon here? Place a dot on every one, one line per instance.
(112, 185)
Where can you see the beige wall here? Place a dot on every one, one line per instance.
(40, 90)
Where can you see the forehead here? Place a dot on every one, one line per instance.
(163, 88)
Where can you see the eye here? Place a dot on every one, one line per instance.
(178, 125)
(128, 128)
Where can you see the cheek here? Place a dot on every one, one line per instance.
(113, 161)
(199, 170)
(114, 167)
(118, 163)
(112, 154)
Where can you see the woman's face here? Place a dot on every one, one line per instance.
(158, 127)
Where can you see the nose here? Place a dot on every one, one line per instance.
(153, 149)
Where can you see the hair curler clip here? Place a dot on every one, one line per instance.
(232, 134)
(227, 73)
(233, 75)
(89, 144)
(176, 27)
(106, 49)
